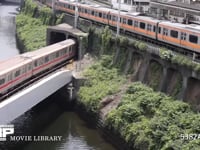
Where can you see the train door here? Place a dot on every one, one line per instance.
(149, 29)
(183, 39)
(165, 34)
(109, 17)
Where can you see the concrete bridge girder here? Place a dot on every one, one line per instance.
(32, 95)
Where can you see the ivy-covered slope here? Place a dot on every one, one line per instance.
(31, 25)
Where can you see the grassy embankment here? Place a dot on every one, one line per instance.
(145, 119)
(31, 25)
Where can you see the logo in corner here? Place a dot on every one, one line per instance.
(6, 130)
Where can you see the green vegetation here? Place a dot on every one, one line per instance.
(178, 85)
(106, 40)
(153, 121)
(179, 59)
(31, 32)
(102, 80)
(32, 23)
(154, 75)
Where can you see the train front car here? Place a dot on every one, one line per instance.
(13, 72)
(50, 56)
(19, 69)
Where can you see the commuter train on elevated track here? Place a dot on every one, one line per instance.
(186, 36)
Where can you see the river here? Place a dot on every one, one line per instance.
(7, 31)
(47, 118)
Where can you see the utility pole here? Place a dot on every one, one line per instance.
(52, 6)
(118, 18)
(76, 15)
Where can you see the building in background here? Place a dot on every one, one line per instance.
(132, 5)
(183, 11)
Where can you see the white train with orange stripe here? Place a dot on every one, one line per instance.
(181, 35)
(23, 67)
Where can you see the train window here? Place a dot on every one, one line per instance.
(92, 13)
(46, 59)
(183, 36)
(159, 30)
(68, 7)
(23, 70)
(89, 11)
(100, 15)
(104, 16)
(57, 54)
(124, 20)
(154, 28)
(114, 18)
(85, 11)
(17, 73)
(109, 17)
(29, 67)
(165, 31)
(2, 81)
(70, 49)
(35, 63)
(174, 33)
(136, 23)
(193, 38)
(130, 22)
(149, 26)
(9, 77)
(142, 25)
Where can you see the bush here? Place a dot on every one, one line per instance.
(152, 120)
(101, 81)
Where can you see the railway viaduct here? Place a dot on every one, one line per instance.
(148, 67)
(169, 78)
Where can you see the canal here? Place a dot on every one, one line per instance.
(48, 118)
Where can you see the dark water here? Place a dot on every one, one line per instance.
(75, 135)
(7, 31)
(48, 117)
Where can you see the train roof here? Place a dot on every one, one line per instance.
(49, 49)
(147, 18)
(190, 27)
(12, 63)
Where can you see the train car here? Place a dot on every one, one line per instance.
(185, 36)
(66, 6)
(14, 71)
(128, 21)
(52, 55)
(22, 67)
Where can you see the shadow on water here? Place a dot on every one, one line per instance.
(50, 118)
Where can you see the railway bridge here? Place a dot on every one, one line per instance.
(36, 92)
